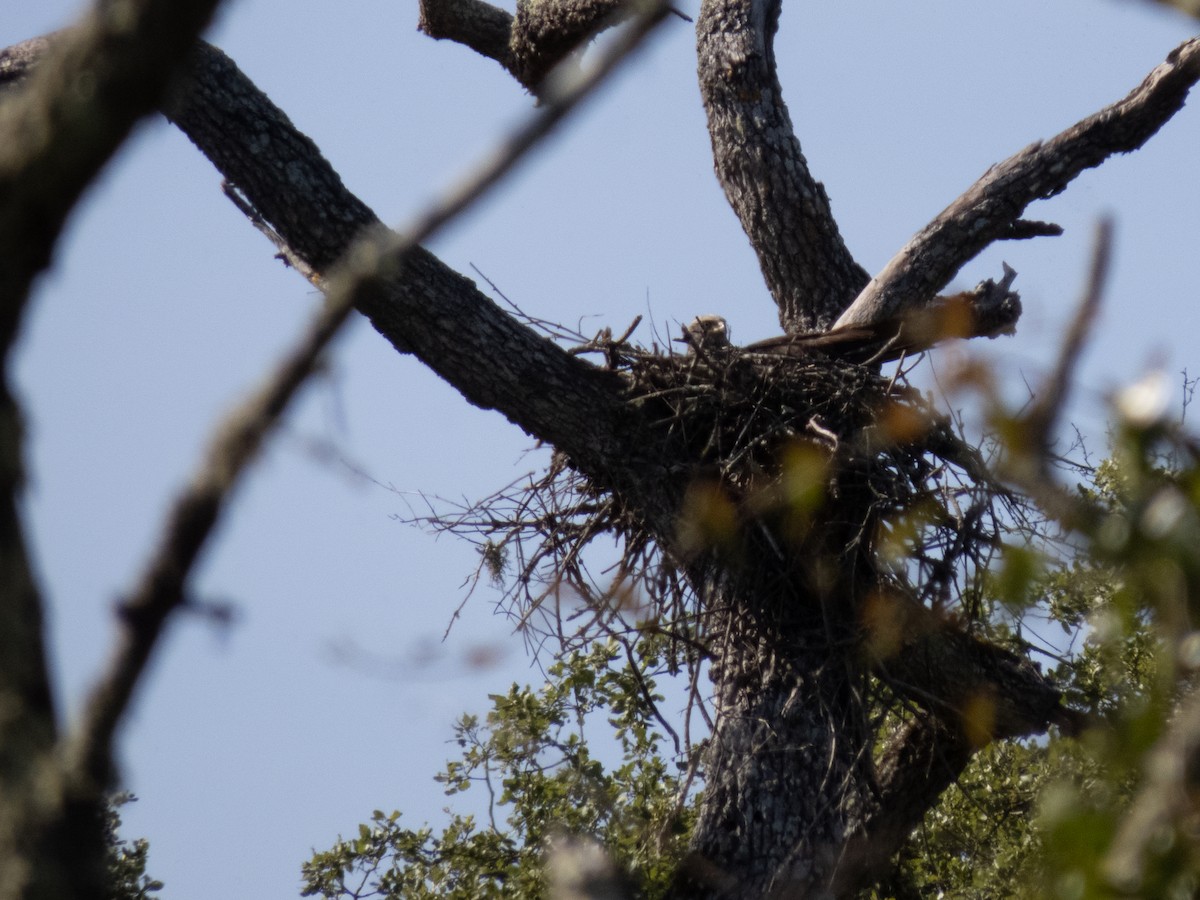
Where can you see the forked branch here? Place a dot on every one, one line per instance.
(992, 207)
(377, 257)
(530, 44)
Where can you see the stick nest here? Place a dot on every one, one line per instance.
(576, 561)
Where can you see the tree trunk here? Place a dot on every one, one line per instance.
(788, 765)
(792, 805)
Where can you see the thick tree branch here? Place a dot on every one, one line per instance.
(971, 692)
(990, 209)
(428, 309)
(918, 764)
(370, 265)
(985, 690)
(783, 209)
(530, 44)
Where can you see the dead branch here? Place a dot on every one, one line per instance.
(162, 587)
(989, 210)
(541, 36)
(1044, 414)
(990, 309)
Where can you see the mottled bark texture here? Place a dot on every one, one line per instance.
(990, 208)
(784, 210)
(794, 805)
(530, 44)
(429, 310)
(788, 767)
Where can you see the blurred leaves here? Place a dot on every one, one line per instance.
(1190, 7)
(1113, 572)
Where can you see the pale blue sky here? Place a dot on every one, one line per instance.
(250, 747)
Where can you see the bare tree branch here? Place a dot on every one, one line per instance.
(530, 44)
(988, 310)
(783, 209)
(972, 684)
(990, 209)
(1043, 416)
(371, 263)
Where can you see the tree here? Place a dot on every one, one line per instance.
(781, 577)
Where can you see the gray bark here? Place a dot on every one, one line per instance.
(990, 209)
(793, 804)
(783, 210)
(530, 44)
(788, 769)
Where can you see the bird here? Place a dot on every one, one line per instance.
(958, 315)
(710, 333)
(707, 332)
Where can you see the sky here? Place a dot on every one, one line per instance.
(333, 693)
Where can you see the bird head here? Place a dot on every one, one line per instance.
(709, 332)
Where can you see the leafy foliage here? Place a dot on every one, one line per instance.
(1058, 817)
(1107, 815)
(126, 859)
(533, 759)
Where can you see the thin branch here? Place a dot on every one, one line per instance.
(162, 587)
(286, 253)
(1043, 416)
(989, 210)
